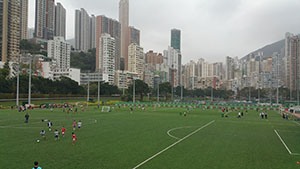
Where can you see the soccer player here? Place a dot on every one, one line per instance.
(74, 125)
(79, 124)
(63, 130)
(131, 109)
(266, 115)
(26, 117)
(56, 134)
(49, 125)
(36, 165)
(43, 134)
(74, 138)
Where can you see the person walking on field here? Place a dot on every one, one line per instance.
(26, 117)
(266, 115)
(36, 165)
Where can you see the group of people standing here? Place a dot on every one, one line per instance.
(263, 115)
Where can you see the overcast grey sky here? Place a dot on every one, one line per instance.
(211, 29)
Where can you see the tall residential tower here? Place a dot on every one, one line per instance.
(124, 20)
(44, 19)
(60, 20)
(9, 29)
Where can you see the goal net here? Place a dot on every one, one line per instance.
(105, 109)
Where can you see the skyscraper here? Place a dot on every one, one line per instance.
(24, 19)
(84, 30)
(176, 39)
(124, 20)
(60, 20)
(44, 19)
(134, 35)
(113, 28)
(60, 51)
(293, 64)
(9, 29)
(136, 59)
(229, 68)
(92, 31)
(107, 58)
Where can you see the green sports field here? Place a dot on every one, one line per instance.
(156, 139)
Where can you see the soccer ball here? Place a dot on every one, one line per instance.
(37, 141)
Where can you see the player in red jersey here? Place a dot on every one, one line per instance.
(74, 138)
(63, 130)
(74, 125)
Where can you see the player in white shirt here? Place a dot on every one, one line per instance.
(79, 124)
(49, 125)
(56, 135)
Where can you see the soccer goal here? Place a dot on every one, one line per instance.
(105, 109)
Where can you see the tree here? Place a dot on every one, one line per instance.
(4, 73)
(165, 88)
(141, 88)
(30, 47)
(84, 61)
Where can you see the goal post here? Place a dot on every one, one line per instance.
(106, 109)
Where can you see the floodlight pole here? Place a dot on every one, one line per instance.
(29, 85)
(277, 92)
(98, 89)
(88, 90)
(18, 83)
(133, 90)
(158, 83)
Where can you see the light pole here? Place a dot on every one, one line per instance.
(181, 93)
(98, 89)
(88, 90)
(18, 83)
(133, 90)
(277, 92)
(158, 82)
(29, 85)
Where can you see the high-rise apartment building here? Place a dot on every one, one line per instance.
(124, 21)
(60, 21)
(93, 31)
(113, 28)
(84, 30)
(44, 19)
(134, 35)
(153, 58)
(9, 29)
(24, 19)
(176, 39)
(229, 68)
(136, 60)
(293, 63)
(60, 51)
(107, 57)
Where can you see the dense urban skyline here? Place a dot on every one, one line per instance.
(208, 21)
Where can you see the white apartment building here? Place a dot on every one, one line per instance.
(59, 50)
(136, 60)
(107, 55)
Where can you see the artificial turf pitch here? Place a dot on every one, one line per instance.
(121, 140)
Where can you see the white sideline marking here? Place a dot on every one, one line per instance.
(177, 129)
(296, 123)
(285, 144)
(172, 145)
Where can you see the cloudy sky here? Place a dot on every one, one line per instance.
(211, 29)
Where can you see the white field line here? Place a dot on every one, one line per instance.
(172, 145)
(296, 123)
(177, 128)
(285, 144)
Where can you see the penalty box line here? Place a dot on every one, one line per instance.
(172, 145)
(286, 147)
